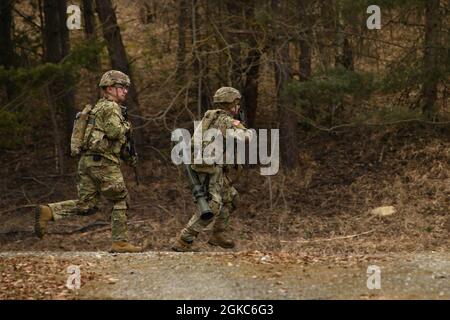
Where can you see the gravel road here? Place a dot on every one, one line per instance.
(250, 275)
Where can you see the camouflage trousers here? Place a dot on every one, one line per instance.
(95, 179)
(223, 201)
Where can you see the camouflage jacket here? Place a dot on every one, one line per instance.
(108, 129)
(222, 120)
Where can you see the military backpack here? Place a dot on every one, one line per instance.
(79, 137)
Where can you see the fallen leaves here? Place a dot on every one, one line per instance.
(112, 280)
(40, 277)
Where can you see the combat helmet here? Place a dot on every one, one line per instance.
(226, 94)
(113, 77)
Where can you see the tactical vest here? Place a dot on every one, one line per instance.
(208, 120)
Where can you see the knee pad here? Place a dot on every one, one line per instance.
(115, 191)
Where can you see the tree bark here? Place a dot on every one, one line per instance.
(68, 96)
(52, 36)
(244, 75)
(119, 59)
(344, 56)
(200, 65)
(286, 115)
(7, 52)
(305, 40)
(431, 57)
(57, 47)
(327, 16)
(89, 20)
(90, 29)
(234, 9)
(250, 91)
(181, 51)
(251, 70)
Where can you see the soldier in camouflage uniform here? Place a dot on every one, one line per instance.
(99, 171)
(222, 195)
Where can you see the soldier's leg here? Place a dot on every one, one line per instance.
(86, 203)
(230, 198)
(114, 189)
(219, 236)
(87, 199)
(198, 222)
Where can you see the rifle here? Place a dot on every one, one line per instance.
(132, 151)
(130, 147)
(198, 191)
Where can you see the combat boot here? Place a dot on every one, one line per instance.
(124, 247)
(42, 215)
(183, 246)
(219, 239)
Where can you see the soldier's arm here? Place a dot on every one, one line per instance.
(113, 123)
(242, 133)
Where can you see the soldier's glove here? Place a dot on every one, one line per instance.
(133, 161)
(127, 125)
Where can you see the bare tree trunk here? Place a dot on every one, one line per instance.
(200, 65)
(305, 59)
(206, 47)
(63, 30)
(286, 114)
(198, 70)
(431, 57)
(325, 39)
(181, 51)
(118, 57)
(53, 36)
(251, 70)
(57, 47)
(68, 96)
(344, 56)
(90, 29)
(234, 9)
(243, 74)
(7, 52)
(305, 43)
(305, 40)
(250, 91)
(57, 135)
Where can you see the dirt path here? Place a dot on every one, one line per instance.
(244, 275)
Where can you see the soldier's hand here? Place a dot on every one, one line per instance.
(127, 125)
(133, 161)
